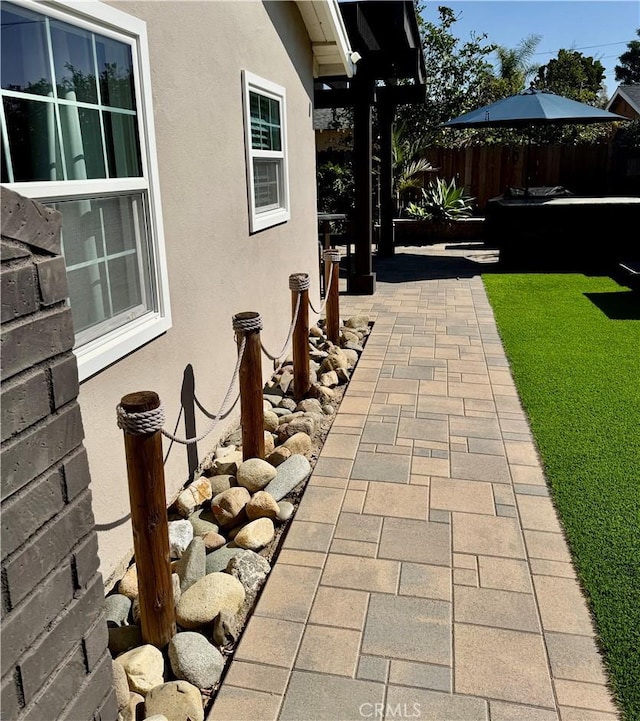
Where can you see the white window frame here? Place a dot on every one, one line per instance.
(259, 220)
(105, 20)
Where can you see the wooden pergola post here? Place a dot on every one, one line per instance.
(145, 470)
(247, 327)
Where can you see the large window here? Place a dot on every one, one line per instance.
(77, 135)
(266, 141)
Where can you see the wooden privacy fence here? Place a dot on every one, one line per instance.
(140, 415)
(488, 170)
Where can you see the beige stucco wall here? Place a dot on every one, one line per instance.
(216, 269)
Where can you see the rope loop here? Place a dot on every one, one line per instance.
(294, 320)
(244, 324)
(320, 310)
(138, 424)
(299, 282)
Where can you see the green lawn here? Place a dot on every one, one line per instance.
(573, 342)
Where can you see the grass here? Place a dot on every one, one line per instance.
(573, 342)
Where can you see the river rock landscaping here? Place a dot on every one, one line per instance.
(225, 529)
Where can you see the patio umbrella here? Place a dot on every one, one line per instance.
(529, 109)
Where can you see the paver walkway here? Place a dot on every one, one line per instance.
(425, 574)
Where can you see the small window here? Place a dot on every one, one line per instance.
(75, 139)
(266, 149)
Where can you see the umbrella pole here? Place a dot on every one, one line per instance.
(527, 161)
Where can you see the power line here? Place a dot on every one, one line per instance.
(584, 47)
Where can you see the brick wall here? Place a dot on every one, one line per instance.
(54, 657)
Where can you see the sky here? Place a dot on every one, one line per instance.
(597, 28)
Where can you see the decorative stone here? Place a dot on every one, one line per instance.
(221, 483)
(357, 321)
(343, 375)
(193, 496)
(212, 541)
(329, 380)
(120, 684)
(304, 424)
(325, 394)
(203, 601)
(348, 335)
(315, 332)
(255, 535)
(255, 473)
(156, 717)
(123, 638)
(278, 455)
(222, 451)
(290, 473)
(177, 700)
(203, 521)
(226, 629)
(270, 421)
(287, 403)
(128, 585)
(261, 505)
(286, 511)
(144, 667)
(192, 565)
(251, 570)
(273, 397)
(286, 379)
(130, 710)
(228, 464)
(269, 443)
(352, 350)
(298, 443)
(195, 660)
(180, 536)
(282, 413)
(218, 560)
(228, 506)
(336, 359)
(116, 608)
(309, 405)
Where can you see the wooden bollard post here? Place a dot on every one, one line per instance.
(149, 519)
(247, 327)
(299, 285)
(332, 285)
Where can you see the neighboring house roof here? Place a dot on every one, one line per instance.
(629, 94)
(328, 35)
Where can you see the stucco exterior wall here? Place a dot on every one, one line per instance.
(216, 268)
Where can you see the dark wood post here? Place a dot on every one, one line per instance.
(386, 112)
(362, 280)
(332, 286)
(149, 520)
(299, 285)
(248, 326)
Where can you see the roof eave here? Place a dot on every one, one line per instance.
(329, 40)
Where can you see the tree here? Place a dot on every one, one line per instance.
(628, 72)
(514, 64)
(573, 75)
(458, 77)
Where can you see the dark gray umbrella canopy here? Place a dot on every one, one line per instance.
(532, 107)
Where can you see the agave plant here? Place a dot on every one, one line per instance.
(445, 202)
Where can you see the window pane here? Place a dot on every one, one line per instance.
(25, 61)
(89, 295)
(115, 68)
(265, 122)
(33, 140)
(124, 277)
(123, 145)
(266, 181)
(82, 142)
(73, 61)
(106, 250)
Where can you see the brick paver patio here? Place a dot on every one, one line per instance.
(425, 574)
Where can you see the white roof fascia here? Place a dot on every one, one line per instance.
(621, 92)
(329, 40)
